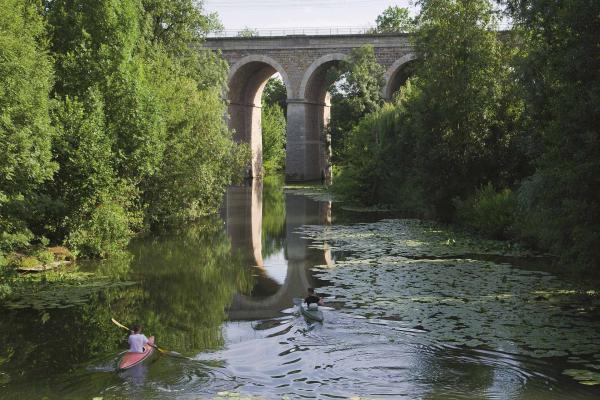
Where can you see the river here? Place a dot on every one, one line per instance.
(414, 311)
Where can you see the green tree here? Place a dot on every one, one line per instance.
(177, 23)
(275, 93)
(111, 134)
(92, 208)
(381, 153)
(452, 129)
(142, 134)
(97, 44)
(356, 93)
(274, 138)
(466, 129)
(25, 131)
(395, 19)
(560, 76)
(200, 158)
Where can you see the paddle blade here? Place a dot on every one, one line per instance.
(297, 301)
(170, 353)
(120, 325)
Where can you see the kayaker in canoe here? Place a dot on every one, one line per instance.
(137, 340)
(312, 298)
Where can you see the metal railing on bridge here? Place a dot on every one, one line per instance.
(268, 32)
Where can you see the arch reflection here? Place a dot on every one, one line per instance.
(262, 222)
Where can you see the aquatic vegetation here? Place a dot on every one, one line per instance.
(73, 292)
(411, 239)
(428, 278)
(583, 376)
(313, 192)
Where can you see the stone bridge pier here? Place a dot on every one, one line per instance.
(303, 63)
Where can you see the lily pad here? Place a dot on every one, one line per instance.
(583, 376)
(420, 277)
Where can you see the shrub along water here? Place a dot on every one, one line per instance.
(122, 133)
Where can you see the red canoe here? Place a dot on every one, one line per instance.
(132, 359)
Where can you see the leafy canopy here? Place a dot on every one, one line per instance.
(395, 19)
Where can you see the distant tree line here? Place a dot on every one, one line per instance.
(111, 122)
(498, 132)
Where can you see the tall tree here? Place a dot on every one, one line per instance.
(25, 132)
(275, 93)
(274, 138)
(356, 93)
(464, 80)
(154, 143)
(560, 74)
(395, 19)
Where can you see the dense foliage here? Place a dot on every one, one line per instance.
(274, 138)
(25, 130)
(275, 93)
(395, 19)
(447, 133)
(355, 93)
(274, 106)
(560, 77)
(123, 132)
(495, 130)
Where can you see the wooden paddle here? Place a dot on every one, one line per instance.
(163, 351)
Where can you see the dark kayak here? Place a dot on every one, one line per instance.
(132, 359)
(314, 315)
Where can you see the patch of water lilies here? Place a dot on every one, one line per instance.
(583, 376)
(58, 295)
(408, 238)
(427, 277)
(314, 192)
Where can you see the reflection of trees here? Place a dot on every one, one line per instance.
(273, 222)
(189, 279)
(59, 340)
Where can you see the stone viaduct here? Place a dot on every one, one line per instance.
(302, 61)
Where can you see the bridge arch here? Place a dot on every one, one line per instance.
(308, 155)
(247, 79)
(314, 86)
(302, 61)
(396, 75)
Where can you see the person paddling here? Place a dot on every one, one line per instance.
(312, 300)
(137, 340)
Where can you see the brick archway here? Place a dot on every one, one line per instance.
(247, 79)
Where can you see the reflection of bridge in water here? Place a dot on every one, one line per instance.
(243, 212)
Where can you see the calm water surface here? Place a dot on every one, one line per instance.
(220, 294)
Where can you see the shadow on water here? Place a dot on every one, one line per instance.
(220, 292)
